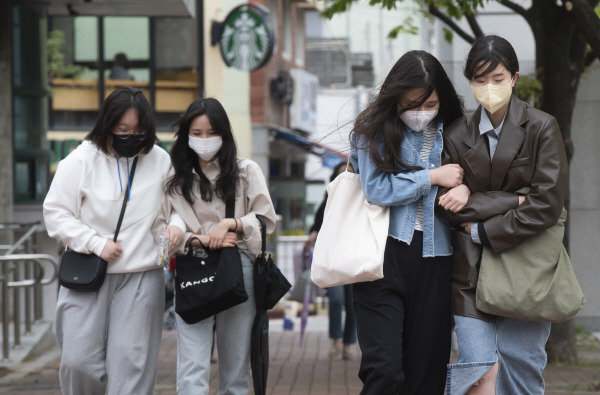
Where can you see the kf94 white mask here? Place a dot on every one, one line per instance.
(418, 120)
(206, 148)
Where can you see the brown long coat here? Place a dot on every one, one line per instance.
(530, 153)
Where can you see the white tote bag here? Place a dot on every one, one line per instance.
(351, 242)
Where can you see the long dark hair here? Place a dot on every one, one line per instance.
(380, 127)
(487, 53)
(185, 160)
(111, 112)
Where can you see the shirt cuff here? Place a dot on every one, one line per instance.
(475, 232)
(482, 234)
(181, 248)
(96, 244)
(177, 221)
(423, 183)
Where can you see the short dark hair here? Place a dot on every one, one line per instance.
(121, 60)
(111, 112)
(487, 53)
(185, 160)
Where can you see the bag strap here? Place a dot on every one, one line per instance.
(230, 208)
(125, 199)
(191, 248)
(263, 232)
(469, 117)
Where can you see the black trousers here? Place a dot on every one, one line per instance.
(404, 322)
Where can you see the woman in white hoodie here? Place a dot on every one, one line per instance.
(110, 338)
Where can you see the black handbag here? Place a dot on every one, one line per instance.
(86, 272)
(269, 283)
(208, 281)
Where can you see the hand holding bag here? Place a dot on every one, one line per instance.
(533, 281)
(352, 239)
(208, 281)
(86, 272)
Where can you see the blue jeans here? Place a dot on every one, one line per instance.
(518, 347)
(339, 296)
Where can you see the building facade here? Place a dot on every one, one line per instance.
(283, 112)
(64, 58)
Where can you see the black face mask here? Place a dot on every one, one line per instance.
(128, 145)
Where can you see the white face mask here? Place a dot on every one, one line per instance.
(205, 148)
(417, 120)
(492, 97)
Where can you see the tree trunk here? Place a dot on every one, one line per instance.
(560, 56)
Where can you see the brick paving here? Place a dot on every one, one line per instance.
(293, 370)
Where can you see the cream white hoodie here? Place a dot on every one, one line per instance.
(84, 201)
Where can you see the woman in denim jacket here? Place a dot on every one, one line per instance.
(403, 320)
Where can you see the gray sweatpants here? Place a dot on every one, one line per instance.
(194, 342)
(110, 338)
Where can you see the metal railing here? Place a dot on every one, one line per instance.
(22, 275)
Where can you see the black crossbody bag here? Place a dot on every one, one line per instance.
(86, 272)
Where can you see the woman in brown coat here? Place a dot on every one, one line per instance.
(507, 145)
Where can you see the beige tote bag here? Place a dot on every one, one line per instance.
(351, 242)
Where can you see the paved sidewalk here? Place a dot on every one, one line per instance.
(294, 370)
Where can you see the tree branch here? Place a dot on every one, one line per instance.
(451, 24)
(516, 8)
(588, 23)
(474, 25)
(470, 16)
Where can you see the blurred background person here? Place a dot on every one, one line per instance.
(120, 69)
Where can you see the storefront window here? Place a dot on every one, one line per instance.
(176, 68)
(168, 75)
(74, 81)
(100, 54)
(29, 106)
(127, 59)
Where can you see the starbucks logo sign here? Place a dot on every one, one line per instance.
(248, 39)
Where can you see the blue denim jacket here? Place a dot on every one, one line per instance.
(402, 192)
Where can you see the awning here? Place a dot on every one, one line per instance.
(330, 156)
(181, 8)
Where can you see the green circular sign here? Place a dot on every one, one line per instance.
(248, 39)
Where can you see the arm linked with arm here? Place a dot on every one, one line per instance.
(481, 205)
(545, 201)
(388, 189)
(167, 217)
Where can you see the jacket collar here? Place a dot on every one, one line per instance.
(512, 137)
